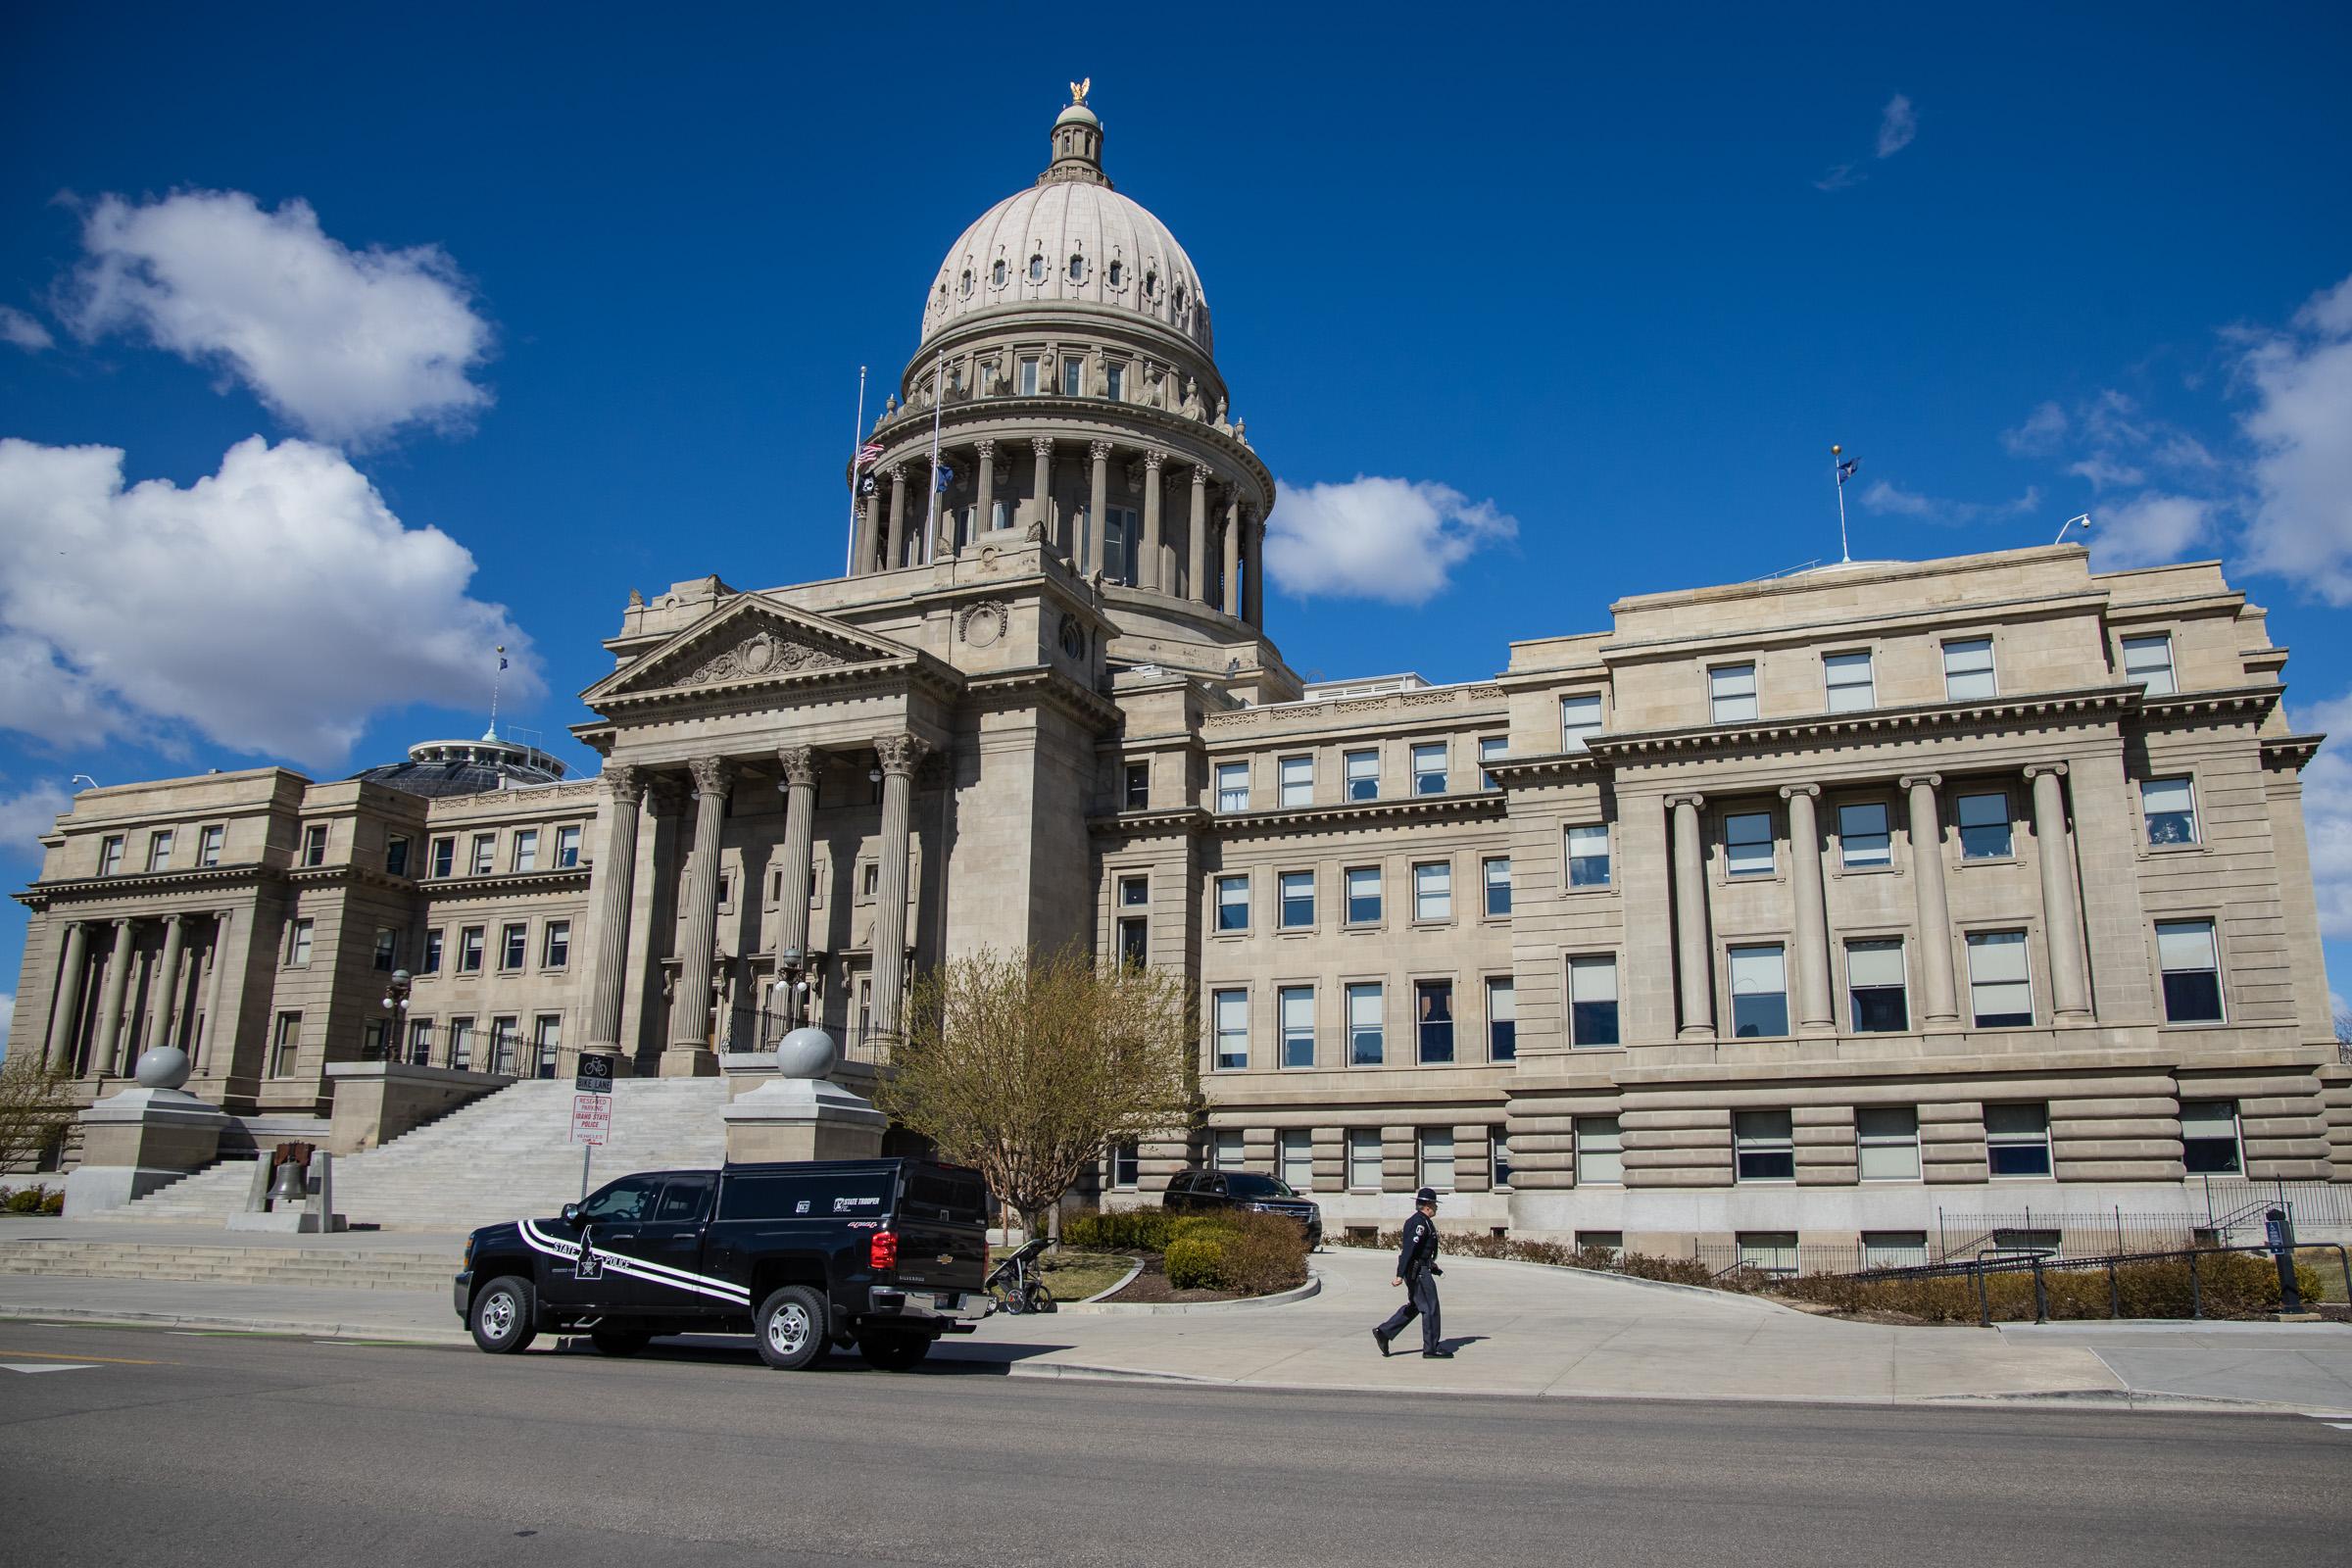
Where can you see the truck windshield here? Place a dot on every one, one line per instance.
(1243, 1183)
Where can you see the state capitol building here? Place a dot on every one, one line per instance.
(1807, 907)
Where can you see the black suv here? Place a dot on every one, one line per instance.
(886, 1255)
(1203, 1191)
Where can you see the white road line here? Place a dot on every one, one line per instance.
(2341, 1425)
(47, 1366)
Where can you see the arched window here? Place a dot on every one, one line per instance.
(1151, 284)
(1037, 269)
(1077, 269)
(997, 276)
(1117, 272)
(1180, 298)
(967, 282)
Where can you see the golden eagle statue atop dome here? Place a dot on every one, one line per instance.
(1078, 90)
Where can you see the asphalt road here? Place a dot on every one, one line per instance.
(171, 1447)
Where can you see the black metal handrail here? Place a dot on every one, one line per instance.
(1980, 1268)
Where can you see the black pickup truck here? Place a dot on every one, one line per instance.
(886, 1255)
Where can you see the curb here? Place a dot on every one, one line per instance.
(1096, 1307)
(1100, 1297)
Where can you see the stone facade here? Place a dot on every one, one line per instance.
(1805, 906)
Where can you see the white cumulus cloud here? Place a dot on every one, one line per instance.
(1898, 122)
(345, 345)
(2327, 812)
(269, 608)
(8, 1017)
(2300, 525)
(22, 331)
(2149, 529)
(1395, 540)
(1892, 500)
(28, 814)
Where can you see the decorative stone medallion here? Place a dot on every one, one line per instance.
(983, 624)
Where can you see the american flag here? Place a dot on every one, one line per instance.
(867, 454)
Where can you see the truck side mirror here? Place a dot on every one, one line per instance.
(572, 1214)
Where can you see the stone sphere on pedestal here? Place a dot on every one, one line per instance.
(807, 1052)
(163, 1068)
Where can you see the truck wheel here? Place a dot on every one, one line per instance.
(620, 1342)
(501, 1319)
(894, 1349)
(791, 1328)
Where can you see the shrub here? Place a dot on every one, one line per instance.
(1195, 1263)
(2227, 1285)
(1263, 1254)
(30, 1200)
(1640, 1265)
(54, 1202)
(1131, 1230)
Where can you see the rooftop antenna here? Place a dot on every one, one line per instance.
(2084, 520)
(1844, 468)
(491, 734)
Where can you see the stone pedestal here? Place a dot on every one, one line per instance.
(137, 1141)
(796, 1114)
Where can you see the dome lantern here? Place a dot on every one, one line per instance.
(1077, 143)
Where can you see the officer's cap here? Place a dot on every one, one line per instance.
(1427, 1194)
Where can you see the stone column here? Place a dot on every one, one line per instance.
(984, 496)
(1254, 598)
(1149, 573)
(2061, 917)
(615, 893)
(71, 972)
(166, 987)
(1231, 601)
(689, 1054)
(1043, 446)
(105, 1046)
(869, 531)
(901, 755)
(895, 557)
(1942, 1008)
(800, 763)
(1195, 587)
(1693, 962)
(1815, 1014)
(1098, 520)
(203, 1053)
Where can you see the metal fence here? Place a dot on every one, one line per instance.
(1978, 1270)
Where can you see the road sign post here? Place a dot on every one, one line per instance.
(591, 1110)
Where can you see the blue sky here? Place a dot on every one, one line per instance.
(579, 302)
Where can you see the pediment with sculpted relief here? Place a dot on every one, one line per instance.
(753, 639)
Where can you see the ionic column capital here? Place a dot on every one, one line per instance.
(2037, 770)
(626, 783)
(1913, 781)
(712, 774)
(901, 753)
(1689, 798)
(1790, 792)
(800, 764)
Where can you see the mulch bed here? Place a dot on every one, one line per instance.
(1151, 1285)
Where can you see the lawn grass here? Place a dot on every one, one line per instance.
(1075, 1276)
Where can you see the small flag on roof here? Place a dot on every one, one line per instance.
(868, 453)
(1845, 469)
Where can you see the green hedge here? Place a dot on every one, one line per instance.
(1127, 1230)
(1252, 1255)
(1196, 1263)
(34, 1199)
(2228, 1285)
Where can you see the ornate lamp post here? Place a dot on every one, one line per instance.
(396, 1008)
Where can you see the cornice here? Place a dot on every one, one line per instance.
(1878, 723)
(2289, 753)
(1534, 770)
(85, 889)
(920, 669)
(1306, 819)
(499, 882)
(1073, 419)
(2254, 702)
(1009, 688)
(1304, 715)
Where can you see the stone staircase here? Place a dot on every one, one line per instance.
(336, 1268)
(504, 1156)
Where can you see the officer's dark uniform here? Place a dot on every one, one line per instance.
(1417, 1266)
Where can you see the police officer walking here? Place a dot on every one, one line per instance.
(1417, 1270)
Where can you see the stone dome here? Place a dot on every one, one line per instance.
(1069, 239)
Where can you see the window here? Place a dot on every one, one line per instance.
(1429, 769)
(1851, 687)
(1747, 844)
(298, 942)
(1763, 1147)
(1610, 1242)
(1500, 1144)
(1225, 1149)
(1894, 1248)
(555, 947)
(2193, 971)
(1600, 1152)
(1126, 1164)
(445, 856)
(1731, 693)
(1137, 786)
(526, 850)
(1589, 856)
(1889, 1136)
(469, 949)
(505, 1039)
(387, 948)
(567, 847)
(1297, 1006)
(1363, 1160)
(2169, 807)
(1135, 942)
(870, 877)
(1437, 1158)
(1363, 775)
(1073, 369)
(1363, 895)
(1037, 269)
(1760, 991)
(1863, 836)
(208, 844)
(1433, 891)
(1364, 1025)
(159, 851)
(313, 844)
(1135, 892)
(396, 855)
(1233, 786)
(1028, 374)
(421, 1042)
(110, 855)
(1298, 899)
(1232, 1012)
(1770, 1252)
(1580, 720)
(1298, 780)
(1491, 751)
(1433, 1012)
(1115, 378)
(995, 273)
(514, 946)
(547, 1039)
(1873, 987)
(432, 952)
(1968, 671)
(2209, 1144)
(1233, 903)
(1121, 537)
(1503, 1019)
(2017, 1140)
(1297, 1156)
(2150, 662)
(2000, 990)
(285, 1046)
(1497, 877)
(485, 853)
(1593, 1001)
(460, 1044)
(1984, 831)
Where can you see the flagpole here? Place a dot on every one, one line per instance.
(938, 406)
(1838, 479)
(849, 562)
(497, 677)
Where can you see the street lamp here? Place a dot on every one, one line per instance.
(790, 963)
(396, 1004)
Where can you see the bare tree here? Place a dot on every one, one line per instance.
(1027, 1067)
(2343, 1035)
(37, 1104)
